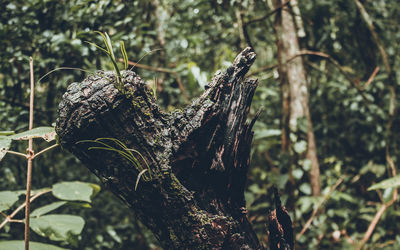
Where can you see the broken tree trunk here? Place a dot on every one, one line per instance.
(184, 172)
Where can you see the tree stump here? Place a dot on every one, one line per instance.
(183, 173)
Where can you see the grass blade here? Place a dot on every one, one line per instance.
(125, 56)
(107, 40)
(97, 46)
(138, 177)
(126, 153)
(147, 53)
(63, 68)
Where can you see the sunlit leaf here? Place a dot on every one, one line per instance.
(125, 56)
(393, 182)
(96, 188)
(201, 77)
(305, 188)
(5, 143)
(4, 133)
(265, 133)
(57, 227)
(113, 234)
(47, 133)
(300, 147)
(282, 180)
(377, 169)
(7, 199)
(47, 208)
(109, 45)
(250, 198)
(297, 173)
(74, 191)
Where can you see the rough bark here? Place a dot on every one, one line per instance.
(191, 164)
(294, 89)
(280, 227)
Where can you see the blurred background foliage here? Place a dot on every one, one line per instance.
(195, 39)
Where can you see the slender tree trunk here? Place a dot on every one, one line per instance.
(294, 89)
(162, 16)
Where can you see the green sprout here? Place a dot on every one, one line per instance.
(127, 153)
(109, 51)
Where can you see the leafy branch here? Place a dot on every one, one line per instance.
(9, 218)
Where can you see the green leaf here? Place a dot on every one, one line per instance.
(302, 124)
(250, 198)
(97, 46)
(5, 143)
(96, 189)
(300, 147)
(306, 163)
(4, 133)
(282, 180)
(124, 55)
(201, 77)
(75, 191)
(377, 169)
(47, 208)
(7, 199)
(47, 133)
(79, 204)
(305, 188)
(109, 45)
(57, 227)
(113, 234)
(20, 245)
(265, 133)
(393, 182)
(297, 173)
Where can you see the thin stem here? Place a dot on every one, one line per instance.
(16, 221)
(371, 78)
(16, 153)
(376, 219)
(375, 36)
(9, 218)
(147, 53)
(64, 68)
(30, 157)
(45, 150)
(308, 223)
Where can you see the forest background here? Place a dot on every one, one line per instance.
(350, 53)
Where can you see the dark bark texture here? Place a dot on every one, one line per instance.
(280, 227)
(187, 176)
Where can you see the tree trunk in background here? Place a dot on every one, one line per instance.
(294, 89)
(162, 16)
(183, 173)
